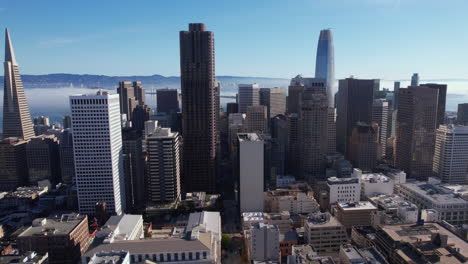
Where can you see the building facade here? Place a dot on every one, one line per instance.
(251, 172)
(451, 154)
(248, 95)
(43, 156)
(13, 163)
(200, 108)
(167, 100)
(97, 143)
(416, 127)
(163, 166)
(257, 119)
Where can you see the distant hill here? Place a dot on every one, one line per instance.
(60, 80)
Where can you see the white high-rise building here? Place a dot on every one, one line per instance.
(249, 95)
(251, 164)
(451, 154)
(97, 144)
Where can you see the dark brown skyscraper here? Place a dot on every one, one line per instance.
(364, 145)
(355, 100)
(200, 107)
(167, 100)
(415, 131)
(440, 101)
(16, 117)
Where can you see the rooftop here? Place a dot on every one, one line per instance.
(253, 216)
(150, 245)
(54, 226)
(109, 257)
(374, 178)
(391, 202)
(436, 193)
(288, 236)
(419, 234)
(363, 205)
(322, 220)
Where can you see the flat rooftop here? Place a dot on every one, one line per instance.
(411, 233)
(322, 220)
(61, 225)
(436, 193)
(374, 178)
(363, 205)
(150, 246)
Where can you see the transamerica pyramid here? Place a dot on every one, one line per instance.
(16, 116)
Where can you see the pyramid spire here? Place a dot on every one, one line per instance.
(9, 53)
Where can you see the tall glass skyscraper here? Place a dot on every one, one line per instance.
(325, 63)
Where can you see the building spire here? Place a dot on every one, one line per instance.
(9, 53)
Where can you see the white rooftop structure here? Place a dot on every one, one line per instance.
(208, 221)
(362, 205)
(122, 227)
(121, 257)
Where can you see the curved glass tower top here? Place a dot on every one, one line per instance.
(325, 63)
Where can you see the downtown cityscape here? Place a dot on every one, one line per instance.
(202, 168)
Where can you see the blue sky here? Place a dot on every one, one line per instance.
(388, 39)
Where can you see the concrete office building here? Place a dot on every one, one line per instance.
(293, 156)
(198, 242)
(200, 108)
(313, 128)
(65, 238)
(364, 145)
(97, 143)
(376, 183)
(263, 241)
(13, 163)
(16, 116)
(236, 124)
(380, 113)
(345, 189)
(355, 214)
(257, 119)
(43, 156)
(462, 114)
(167, 100)
(416, 127)
(274, 99)
(163, 166)
(249, 95)
(251, 172)
(121, 227)
(355, 100)
(451, 154)
(67, 160)
(294, 202)
(324, 233)
(452, 207)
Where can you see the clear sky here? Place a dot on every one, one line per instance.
(388, 39)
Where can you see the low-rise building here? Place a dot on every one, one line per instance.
(345, 189)
(394, 209)
(122, 227)
(199, 242)
(305, 254)
(428, 243)
(355, 214)
(375, 183)
(121, 257)
(325, 233)
(290, 200)
(351, 255)
(65, 238)
(451, 206)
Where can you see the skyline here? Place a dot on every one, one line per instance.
(150, 39)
